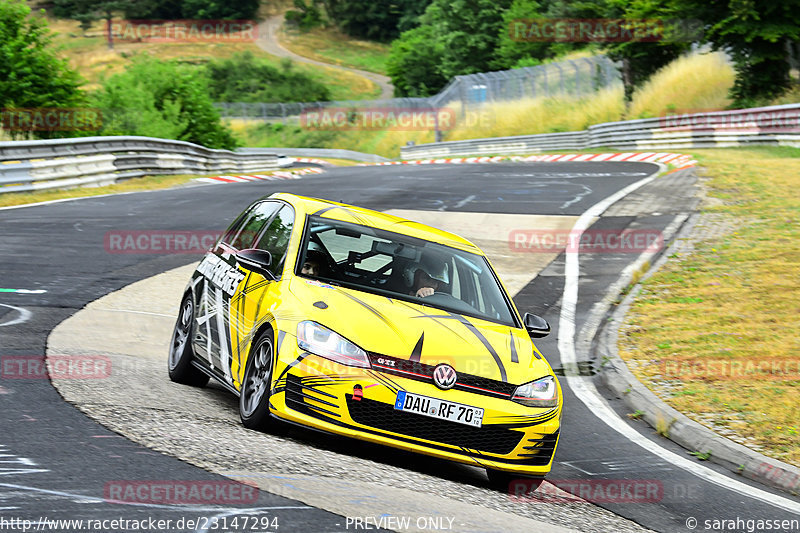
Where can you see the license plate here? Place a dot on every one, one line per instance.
(441, 409)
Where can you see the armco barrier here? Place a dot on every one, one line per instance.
(317, 152)
(775, 125)
(35, 165)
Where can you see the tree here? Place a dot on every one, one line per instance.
(87, 11)
(31, 75)
(468, 32)
(380, 20)
(414, 63)
(512, 47)
(162, 99)
(640, 60)
(454, 37)
(759, 37)
(220, 9)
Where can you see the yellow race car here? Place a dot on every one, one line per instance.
(370, 326)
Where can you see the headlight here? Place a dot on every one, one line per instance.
(540, 393)
(321, 341)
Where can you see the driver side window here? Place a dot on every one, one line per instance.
(276, 237)
(244, 236)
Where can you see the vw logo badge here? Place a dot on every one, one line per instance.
(444, 376)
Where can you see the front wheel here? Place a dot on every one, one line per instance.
(181, 353)
(254, 397)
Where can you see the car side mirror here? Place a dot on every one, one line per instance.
(257, 260)
(537, 326)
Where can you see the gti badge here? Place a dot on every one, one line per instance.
(444, 376)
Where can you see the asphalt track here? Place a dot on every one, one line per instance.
(56, 462)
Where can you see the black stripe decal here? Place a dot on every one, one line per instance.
(417, 352)
(374, 312)
(470, 326)
(436, 319)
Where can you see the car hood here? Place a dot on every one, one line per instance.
(406, 330)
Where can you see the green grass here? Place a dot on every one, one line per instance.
(731, 303)
(384, 143)
(146, 183)
(89, 55)
(332, 46)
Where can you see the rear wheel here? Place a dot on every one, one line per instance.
(512, 483)
(254, 397)
(181, 353)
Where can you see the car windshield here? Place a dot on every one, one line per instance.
(403, 267)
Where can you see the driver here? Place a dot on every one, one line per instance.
(427, 276)
(313, 263)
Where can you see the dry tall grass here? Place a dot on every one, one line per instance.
(697, 82)
(694, 82)
(539, 115)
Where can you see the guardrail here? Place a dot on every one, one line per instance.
(36, 165)
(334, 153)
(774, 125)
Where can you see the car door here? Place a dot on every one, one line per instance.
(217, 283)
(254, 303)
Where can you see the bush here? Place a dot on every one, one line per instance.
(305, 17)
(162, 99)
(245, 78)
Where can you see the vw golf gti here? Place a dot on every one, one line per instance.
(370, 326)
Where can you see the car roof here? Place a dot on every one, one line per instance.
(375, 219)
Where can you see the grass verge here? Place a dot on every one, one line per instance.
(715, 333)
(145, 183)
(386, 143)
(331, 46)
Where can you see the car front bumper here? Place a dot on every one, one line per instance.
(359, 403)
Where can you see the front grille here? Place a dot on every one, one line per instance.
(383, 416)
(421, 372)
(538, 452)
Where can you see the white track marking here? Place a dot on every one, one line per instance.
(136, 312)
(464, 202)
(24, 291)
(24, 316)
(586, 392)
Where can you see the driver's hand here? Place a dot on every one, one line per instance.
(425, 291)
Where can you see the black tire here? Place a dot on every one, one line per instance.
(181, 353)
(508, 481)
(254, 397)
